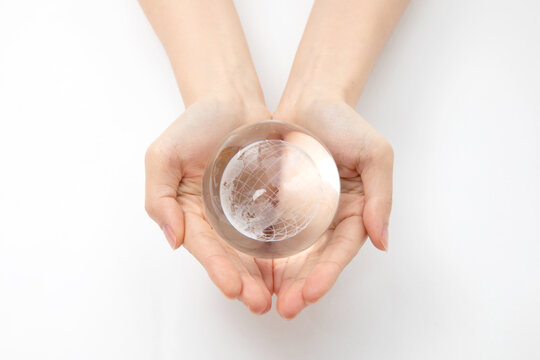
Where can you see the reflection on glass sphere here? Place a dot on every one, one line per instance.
(271, 189)
(254, 197)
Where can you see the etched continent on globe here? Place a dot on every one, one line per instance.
(270, 190)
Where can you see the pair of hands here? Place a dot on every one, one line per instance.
(175, 164)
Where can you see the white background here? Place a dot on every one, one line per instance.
(84, 274)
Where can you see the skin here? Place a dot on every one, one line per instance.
(217, 80)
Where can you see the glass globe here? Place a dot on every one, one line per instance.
(271, 189)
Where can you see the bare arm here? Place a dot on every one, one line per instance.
(215, 74)
(340, 45)
(206, 47)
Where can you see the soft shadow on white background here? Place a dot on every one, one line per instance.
(85, 274)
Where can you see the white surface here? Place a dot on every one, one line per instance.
(84, 274)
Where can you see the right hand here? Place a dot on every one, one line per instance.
(365, 162)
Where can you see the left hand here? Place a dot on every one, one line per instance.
(174, 169)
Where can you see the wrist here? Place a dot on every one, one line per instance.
(246, 107)
(226, 79)
(297, 100)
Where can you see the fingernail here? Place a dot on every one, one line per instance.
(289, 318)
(384, 238)
(169, 235)
(249, 307)
(310, 302)
(258, 313)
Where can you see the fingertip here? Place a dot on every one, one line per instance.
(232, 287)
(269, 306)
(287, 316)
(232, 291)
(384, 238)
(227, 279)
(268, 299)
(175, 219)
(254, 296)
(321, 279)
(379, 238)
(258, 308)
(291, 303)
(170, 236)
(168, 214)
(379, 243)
(312, 292)
(286, 313)
(376, 224)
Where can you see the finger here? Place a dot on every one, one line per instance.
(255, 293)
(285, 270)
(376, 174)
(163, 175)
(291, 302)
(202, 242)
(294, 272)
(345, 241)
(233, 276)
(266, 269)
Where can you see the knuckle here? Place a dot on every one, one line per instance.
(386, 148)
(153, 152)
(161, 154)
(149, 207)
(150, 154)
(159, 150)
(384, 151)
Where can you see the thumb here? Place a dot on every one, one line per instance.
(163, 175)
(377, 178)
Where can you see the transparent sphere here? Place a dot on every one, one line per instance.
(271, 189)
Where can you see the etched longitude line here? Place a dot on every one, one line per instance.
(276, 160)
(268, 206)
(270, 165)
(243, 184)
(250, 159)
(285, 229)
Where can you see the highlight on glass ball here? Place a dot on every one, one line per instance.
(271, 189)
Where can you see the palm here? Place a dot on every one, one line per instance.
(306, 277)
(236, 274)
(175, 166)
(183, 149)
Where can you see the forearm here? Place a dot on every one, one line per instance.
(206, 47)
(339, 47)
